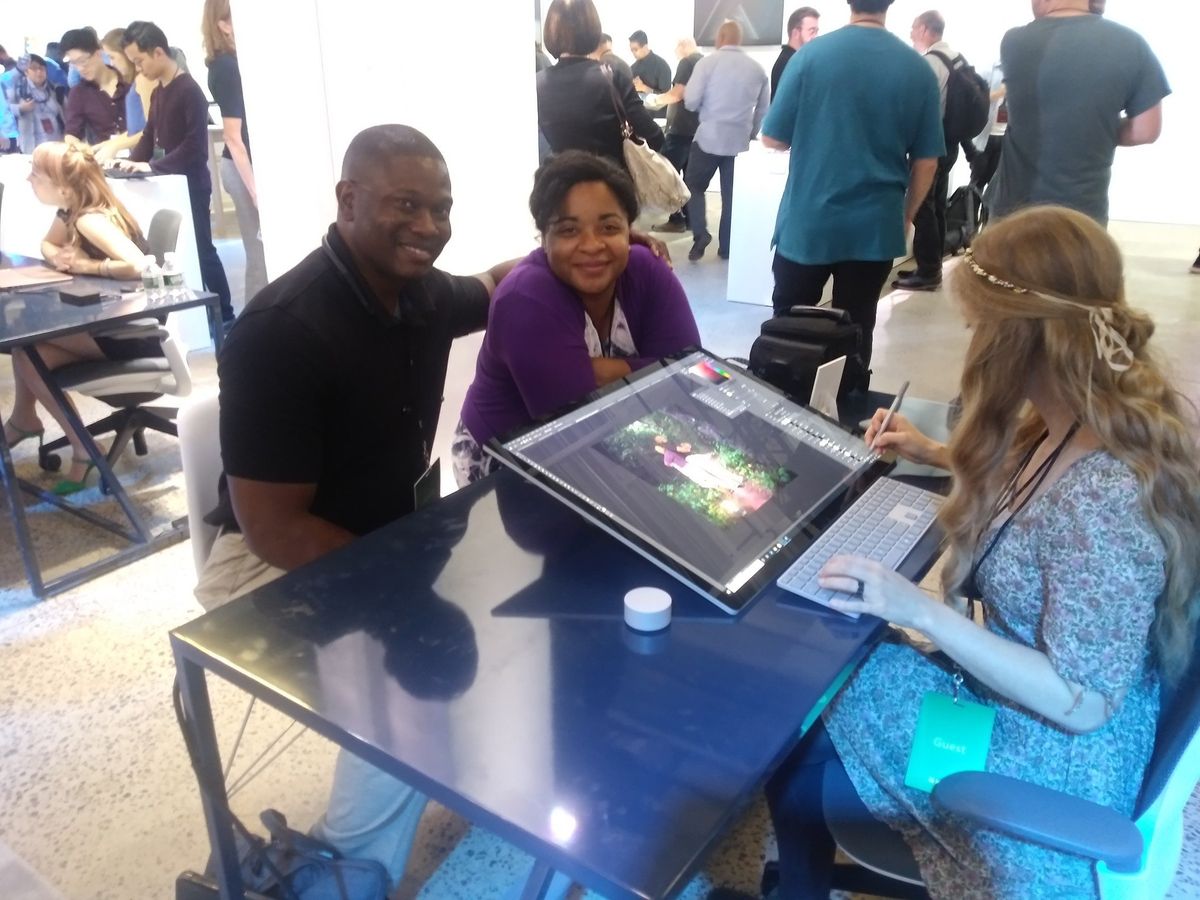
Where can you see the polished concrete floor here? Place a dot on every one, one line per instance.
(96, 797)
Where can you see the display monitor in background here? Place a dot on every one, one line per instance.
(761, 20)
(708, 472)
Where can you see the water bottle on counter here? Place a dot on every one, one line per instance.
(172, 272)
(152, 276)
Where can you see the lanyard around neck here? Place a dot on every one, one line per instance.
(1013, 490)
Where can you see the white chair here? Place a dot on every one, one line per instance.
(127, 385)
(200, 451)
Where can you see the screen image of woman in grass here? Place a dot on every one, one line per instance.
(694, 466)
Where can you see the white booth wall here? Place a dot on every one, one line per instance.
(354, 63)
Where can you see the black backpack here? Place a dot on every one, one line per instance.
(963, 218)
(968, 101)
(791, 347)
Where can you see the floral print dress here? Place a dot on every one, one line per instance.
(1076, 576)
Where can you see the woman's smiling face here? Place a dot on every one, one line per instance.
(587, 241)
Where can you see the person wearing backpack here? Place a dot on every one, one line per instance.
(965, 105)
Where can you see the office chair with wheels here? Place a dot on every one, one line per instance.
(1135, 857)
(128, 385)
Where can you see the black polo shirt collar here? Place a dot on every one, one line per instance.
(414, 304)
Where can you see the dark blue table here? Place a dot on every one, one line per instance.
(476, 650)
(29, 315)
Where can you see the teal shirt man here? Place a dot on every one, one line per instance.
(857, 107)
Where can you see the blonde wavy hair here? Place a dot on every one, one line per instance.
(1138, 416)
(216, 41)
(72, 168)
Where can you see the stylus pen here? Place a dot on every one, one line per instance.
(887, 420)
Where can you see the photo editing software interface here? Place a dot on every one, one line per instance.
(711, 469)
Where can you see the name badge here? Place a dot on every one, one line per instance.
(428, 487)
(952, 736)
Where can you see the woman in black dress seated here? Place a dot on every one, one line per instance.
(93, 234)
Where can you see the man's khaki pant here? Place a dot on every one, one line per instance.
(371, 815)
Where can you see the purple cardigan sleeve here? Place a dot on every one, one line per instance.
(657, 309)
(537, 330)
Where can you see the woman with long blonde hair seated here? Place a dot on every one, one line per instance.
(1075, 519)
(93, 234)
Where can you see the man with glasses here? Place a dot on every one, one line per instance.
(178, 125)
(95, 108)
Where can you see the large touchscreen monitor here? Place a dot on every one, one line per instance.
(707, 471)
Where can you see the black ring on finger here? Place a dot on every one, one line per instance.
(858, 591)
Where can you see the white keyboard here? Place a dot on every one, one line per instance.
(884, 524)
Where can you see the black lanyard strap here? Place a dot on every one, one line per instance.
(1013, 491)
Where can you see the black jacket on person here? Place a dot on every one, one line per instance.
(576, 112)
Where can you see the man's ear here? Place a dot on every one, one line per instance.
(344, 191)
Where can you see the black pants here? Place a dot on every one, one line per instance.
(856, 288)
(806, 848)
(212, 273)
(676, 148)
(986, 162)
(929, 240)
(701, 167)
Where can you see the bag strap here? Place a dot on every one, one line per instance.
(952, 65)
(618, 104)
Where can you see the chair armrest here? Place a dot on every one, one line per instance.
(1043, 816)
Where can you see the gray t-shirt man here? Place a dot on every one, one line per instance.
(1069, 80)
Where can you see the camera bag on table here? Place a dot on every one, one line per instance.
(790, 348)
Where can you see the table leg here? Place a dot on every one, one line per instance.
(538, 882)
(80, 430)
(201, 736)
(16, 503)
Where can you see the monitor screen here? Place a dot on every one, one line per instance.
(709, 472)
(761, 20)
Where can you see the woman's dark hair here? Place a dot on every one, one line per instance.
(556, 177)
(572, 26)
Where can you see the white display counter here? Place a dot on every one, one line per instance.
(24, 221)
(759, 179)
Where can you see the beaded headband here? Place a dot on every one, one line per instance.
(1110, 345)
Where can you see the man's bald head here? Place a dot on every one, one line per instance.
(379, 144)
(729, 34)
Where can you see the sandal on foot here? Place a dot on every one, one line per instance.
(24, 434)
(66, 486)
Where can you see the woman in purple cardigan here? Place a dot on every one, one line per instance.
(584, 310)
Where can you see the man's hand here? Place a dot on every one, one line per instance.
(127, 165)
(26, 106)
(653, 244)
(640, 86)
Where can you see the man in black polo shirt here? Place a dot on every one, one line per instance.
(178, 125)
(331, 386)
(651, 74)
